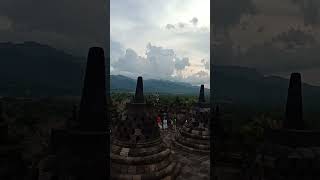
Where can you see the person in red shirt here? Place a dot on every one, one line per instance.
(159, 122)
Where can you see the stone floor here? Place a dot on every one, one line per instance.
(194, 167)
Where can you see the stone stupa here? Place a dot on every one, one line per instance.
(81, 150)
(137, 150)
(194, 136)
(291, 152)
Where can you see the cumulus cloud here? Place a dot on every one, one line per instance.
(194, 21)
(158, 63)
(181, 64)
(170, 26)
(206, 64)
(201, 77)
(181, 25)
(116, 51)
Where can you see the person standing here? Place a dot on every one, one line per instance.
(159, 122)
(165, 123)
(175, 123)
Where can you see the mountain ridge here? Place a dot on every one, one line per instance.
(32, 69)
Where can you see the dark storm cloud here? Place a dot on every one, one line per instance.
(73, 25)
(310, 10)
(227, 13)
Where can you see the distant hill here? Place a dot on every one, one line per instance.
(38, 70)
(240, 85)
(32, 69)
(125, 84)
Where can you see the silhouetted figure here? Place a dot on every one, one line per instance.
(294, 119)
(92, 114)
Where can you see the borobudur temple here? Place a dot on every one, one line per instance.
(291, 152)
(194, 135)
(137, 149)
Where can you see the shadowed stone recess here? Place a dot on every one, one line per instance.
(137, 150)
(194, 136)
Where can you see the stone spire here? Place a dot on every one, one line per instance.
(294, 119)
(137, 150)
(139, 97)
(201, 95)
(194, 137)
(92, 115)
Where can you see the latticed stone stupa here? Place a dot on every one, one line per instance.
(291, 152)
(81, 150)
(194, 135)
(137, 150)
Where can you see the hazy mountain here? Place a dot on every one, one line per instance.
(34, 69)
(238, 85)
(123, 83)
(39, 70)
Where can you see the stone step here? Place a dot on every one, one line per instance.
(140, 160)
(190, 149)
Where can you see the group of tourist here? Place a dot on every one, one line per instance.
(165, 123)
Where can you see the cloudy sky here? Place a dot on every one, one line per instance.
(275, 17)
(73, 25)
(168, 39)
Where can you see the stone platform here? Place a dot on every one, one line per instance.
(193, 166)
